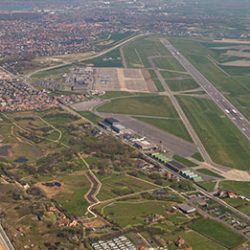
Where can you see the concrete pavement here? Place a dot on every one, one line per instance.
(222, 102)
(4, 240)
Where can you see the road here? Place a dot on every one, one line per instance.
(87, 58)
(4, 240)
(222, 102)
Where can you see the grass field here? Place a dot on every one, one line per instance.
(72, 197)
(169, 63)
(223, 141)
(207, 185)
(198, 241)
(218, 232)
(198, 157)
(90, 116)
(241, 188)
(149, 105)
(236, 87)
(130, 213)
(185, 161)
(117, 185)
(208, 172)
(182, 85)
(137, 52)
(173, 126)
(157, 82)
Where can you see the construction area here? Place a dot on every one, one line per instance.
(118, 79)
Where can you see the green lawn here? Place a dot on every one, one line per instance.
(157, 82)
(218, 232)
(198, 157)
(118, 185)
(208, 172)
(223, 141)
(173, 126)
(241, 188)
(150, 105)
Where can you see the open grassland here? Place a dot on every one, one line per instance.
(168, 63)
(207, 185)
(110, 59)
(134, 212)
(198, 241)
(223, 141)
(91, 116)
(137, 52)
(173, 126)
(236, 88)
(118, 185)
(208, 172)
(241, 188)
(182, 85)
(150, 105)
(72, 197)
(218, 232)
(157, 82)
(185, 161)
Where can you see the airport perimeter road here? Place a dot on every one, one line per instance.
(222, 102)
(4, 240)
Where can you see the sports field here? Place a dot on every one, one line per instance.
(223, 141)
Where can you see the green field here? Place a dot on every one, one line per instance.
(173, 126)
(137, 52)
(223, 141)
(218, 232)
(169, 63)
(118, 185)
(131, 213)
(236, 87)
(185, 161)
(150, 105)
(198, 157)
(208, 172)
(91, 116)
(241, 188)
(110, 59)
(182, 85)
(207, 185)
(198, 241)
(157, 82)
(72, 197)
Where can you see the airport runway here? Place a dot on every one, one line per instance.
(4, 240)
(222, 102)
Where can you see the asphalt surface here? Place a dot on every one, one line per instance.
(169, 141)
(181, 114)
(222, 102)
(4, 240)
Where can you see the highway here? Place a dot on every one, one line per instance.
(4, 240)
(222, 102)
